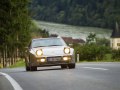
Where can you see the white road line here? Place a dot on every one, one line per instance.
(15, 85)
(95, 68)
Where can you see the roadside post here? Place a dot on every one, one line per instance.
(77, 57)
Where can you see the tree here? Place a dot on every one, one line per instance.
(91, 38)
(103, 42)
(98, 13)
(14, 28)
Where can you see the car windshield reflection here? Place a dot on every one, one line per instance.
(47, 42)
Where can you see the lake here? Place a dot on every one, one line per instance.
(73, 31)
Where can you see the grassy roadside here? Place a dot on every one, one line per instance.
(1, 65)
(20, 63)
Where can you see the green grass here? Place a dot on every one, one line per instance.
(20, 63)
(1, 65)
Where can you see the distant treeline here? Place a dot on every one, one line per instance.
(98, 13)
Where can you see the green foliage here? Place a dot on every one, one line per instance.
(91, 38)
(91, 52)
(95, 49)
(14, 23)
(37, 32)
(14, 27)
(103, 42)
(20, 63)
(116, 55)
(1, 66)
(99, 13)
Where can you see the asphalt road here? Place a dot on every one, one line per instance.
(86, 76)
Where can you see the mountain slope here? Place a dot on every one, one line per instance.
(98, 13)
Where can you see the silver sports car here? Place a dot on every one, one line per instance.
(49, 52)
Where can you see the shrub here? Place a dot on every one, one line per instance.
(116, 54)
(91, 52)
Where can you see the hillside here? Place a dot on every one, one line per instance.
(76, 32)
(97, 13)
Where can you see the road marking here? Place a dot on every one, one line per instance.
(15, 85)
(95, 68)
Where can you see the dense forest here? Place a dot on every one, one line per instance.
(97, 13)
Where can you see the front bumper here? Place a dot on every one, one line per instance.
(52, 61)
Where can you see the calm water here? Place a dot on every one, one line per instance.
(73, 31)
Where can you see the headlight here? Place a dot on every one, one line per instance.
(67, 50)
(39, 52)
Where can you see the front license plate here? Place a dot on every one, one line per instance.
(54, 59)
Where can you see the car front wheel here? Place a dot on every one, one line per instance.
(33, 68)
(27, 68)
(71, 66)
(63, 66)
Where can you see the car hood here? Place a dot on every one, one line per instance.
(52, 51)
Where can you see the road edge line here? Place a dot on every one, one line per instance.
(15, 85)
(95, 68)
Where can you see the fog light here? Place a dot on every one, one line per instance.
(42, 60)
(65, 58)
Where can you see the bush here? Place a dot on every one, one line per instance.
(91, 52)
(116, 54)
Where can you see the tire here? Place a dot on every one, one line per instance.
(63, 66)
(27, 64)
(27, 68)
(33, 68)
(71, 66)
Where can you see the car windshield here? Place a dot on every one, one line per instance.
(47, 42)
